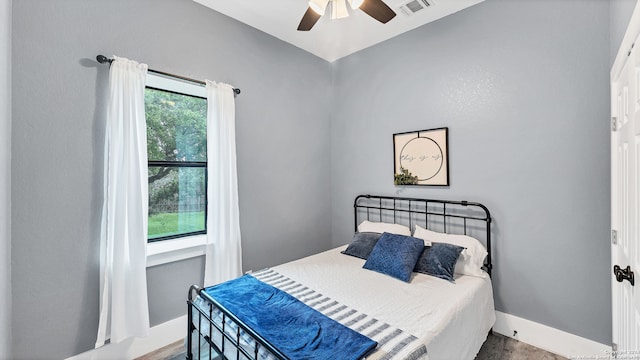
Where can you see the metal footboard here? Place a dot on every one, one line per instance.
(231, 344)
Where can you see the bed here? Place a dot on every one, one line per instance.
(425, 317)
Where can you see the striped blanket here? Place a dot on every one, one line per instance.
(393, 343)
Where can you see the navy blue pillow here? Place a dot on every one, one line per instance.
(362, 244)
(395, 255)
(439, 260)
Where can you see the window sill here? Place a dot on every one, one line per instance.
(167, 251)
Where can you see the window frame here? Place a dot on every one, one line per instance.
(162, 82)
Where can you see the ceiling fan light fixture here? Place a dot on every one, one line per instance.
(355, 3)
(319, 6)
(339, 9)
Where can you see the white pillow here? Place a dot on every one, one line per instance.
(380, 227)
(472, 257)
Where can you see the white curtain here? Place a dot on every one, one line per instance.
(223, 251)
(124, 309)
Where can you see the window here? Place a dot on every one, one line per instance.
(176, 114)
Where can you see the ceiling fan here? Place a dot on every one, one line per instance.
(377, 9)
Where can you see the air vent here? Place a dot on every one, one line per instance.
(414, 6)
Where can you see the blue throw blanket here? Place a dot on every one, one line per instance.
(292, 327)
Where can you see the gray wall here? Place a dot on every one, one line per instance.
(523, 87)
(58, 120)
(5, 178)
(620, 12)
(165, 282)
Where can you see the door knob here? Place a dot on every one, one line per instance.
(623, 274)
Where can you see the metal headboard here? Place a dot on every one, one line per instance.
(454, 217)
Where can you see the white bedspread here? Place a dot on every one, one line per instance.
(452, 320)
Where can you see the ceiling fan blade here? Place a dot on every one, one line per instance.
(309, 19)
(378, 10)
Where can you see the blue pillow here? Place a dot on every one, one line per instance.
(439, 260)
(362, 244)
(395, 255)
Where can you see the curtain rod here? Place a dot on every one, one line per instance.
(105, 60)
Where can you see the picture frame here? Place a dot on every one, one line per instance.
(421, 158)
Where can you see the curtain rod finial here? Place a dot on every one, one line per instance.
(103, 59)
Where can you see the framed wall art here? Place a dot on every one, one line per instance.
(421, 157)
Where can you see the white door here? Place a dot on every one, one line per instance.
(625, 194)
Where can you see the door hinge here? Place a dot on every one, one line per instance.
(614, 123)
(614, 237)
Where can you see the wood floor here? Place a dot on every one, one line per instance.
(497, 347)
(171, 351)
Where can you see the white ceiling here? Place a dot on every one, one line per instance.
(330, 39)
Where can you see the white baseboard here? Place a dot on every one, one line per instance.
(159, 336)
(547, 338)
